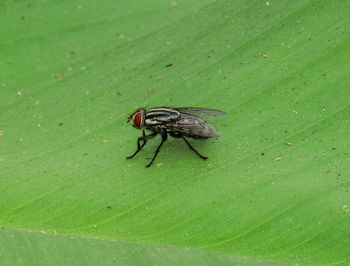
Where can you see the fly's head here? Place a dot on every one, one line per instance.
(138, 117)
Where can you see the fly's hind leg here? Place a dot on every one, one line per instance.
(193, 149)
(177, 135)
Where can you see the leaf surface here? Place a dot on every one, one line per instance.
(276, 185)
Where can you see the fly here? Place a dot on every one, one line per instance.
(177, 122)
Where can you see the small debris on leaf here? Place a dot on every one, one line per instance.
(149, 93)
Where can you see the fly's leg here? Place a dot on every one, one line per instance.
(193, 149)
(164, 138)
(144, 138)
(177, 135)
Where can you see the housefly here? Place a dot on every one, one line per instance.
(177, 122)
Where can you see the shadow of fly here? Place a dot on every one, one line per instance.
(177, 122)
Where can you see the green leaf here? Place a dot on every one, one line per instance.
(276, 185)
(19, 247)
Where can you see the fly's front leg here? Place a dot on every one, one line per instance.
(144, 138)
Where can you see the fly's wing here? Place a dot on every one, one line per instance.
(202, 112)
(192, 126)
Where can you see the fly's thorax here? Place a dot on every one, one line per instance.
(160, 116)
(156, 128)
(138, 117)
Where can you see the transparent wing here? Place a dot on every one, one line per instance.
(202, 112)
(192, 126)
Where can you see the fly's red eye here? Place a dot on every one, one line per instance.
(137, 120)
